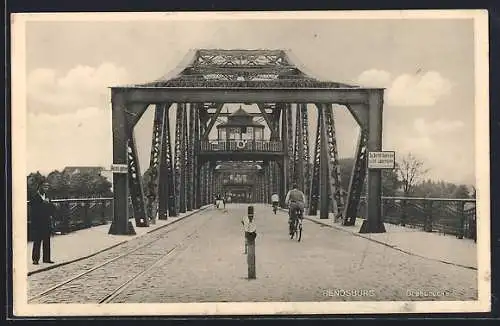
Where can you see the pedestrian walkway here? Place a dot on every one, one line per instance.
(431, 245)
(88, 242)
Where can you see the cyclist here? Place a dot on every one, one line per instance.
(295, 199)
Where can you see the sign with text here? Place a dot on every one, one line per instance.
(382, 160)
(119, 168)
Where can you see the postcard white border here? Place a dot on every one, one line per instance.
(18, 111)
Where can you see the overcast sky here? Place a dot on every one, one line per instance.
(427, 67)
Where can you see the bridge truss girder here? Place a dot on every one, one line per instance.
(187, 169)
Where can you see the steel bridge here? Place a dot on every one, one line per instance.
(184, 171)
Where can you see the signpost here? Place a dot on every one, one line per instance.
(119, 168)
(382, 160)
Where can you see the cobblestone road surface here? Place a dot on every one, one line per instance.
(328, 265)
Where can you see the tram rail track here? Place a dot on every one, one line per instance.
(142, 259)
(119, 244)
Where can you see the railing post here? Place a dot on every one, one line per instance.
(86, 218)
(403, 212)
(461, 216)
(102, 204)
(428, 216)
(473, 225)
(64, 212)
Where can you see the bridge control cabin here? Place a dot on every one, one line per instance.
(239, 137)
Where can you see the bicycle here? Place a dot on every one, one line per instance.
(275, 208)
(296, 226)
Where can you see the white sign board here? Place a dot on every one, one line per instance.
(381, 160)
(119, 168)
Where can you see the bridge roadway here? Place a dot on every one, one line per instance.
(201, 259)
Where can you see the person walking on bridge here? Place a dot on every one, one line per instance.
(275, 201)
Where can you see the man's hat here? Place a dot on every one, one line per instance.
(250, 210)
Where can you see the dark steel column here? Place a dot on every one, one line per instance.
(120, 224)
(183, 155)
(190, 193)
(314, 189)
(298, 176)
(178, 157)
(356, 182)
(152, 191)
(289, 153)
(196, 148)
(202, 184)
(306, 159)
(285, 165)
(324, 205)
(266, 183)
(211, 181)
(166, 192)
(374, 224)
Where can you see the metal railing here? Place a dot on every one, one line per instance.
(444, 215)
(241, 146)
(78, 213)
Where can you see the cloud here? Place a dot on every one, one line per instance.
(80, 87)
(77, 138)
(374, 78)
(408, 90)
(425, 135)
(418, 90)
(437, 127)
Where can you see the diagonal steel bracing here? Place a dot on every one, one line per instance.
(166, 191)
(135, 184)
(187, 163)
(212, 120)
(356, 182)
(154, 164)
(332, 160)
(297, 177)
(179, 158)
(160, 165)
(305, 149)
(195, 144)
(315, 173)
(289, 155)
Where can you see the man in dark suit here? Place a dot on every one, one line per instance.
(41, 211)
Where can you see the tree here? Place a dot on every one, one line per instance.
(473, 192)
(441, 189)
(58, 182)
(461, 192)
(410, 171)
(75, 185)
(33, 181)
(390, 180)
